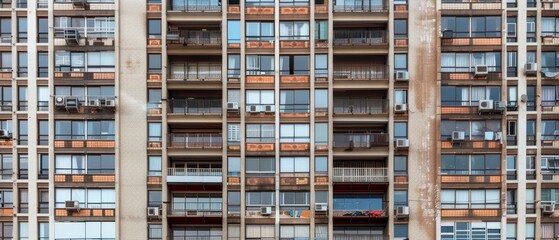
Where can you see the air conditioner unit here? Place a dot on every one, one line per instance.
(400, 108)
(110, 103)
(458, 136)
(266, 211)
(232, 106)
(153, 211)
(321, 207)
(402, 76)
(4, 134)
(93, 103)
(252, 109)
(481, 70)
(402, 211)
(402, 143)
(531, 68)
(499, 106)
(71, 102)
(548, 207)
(59, 101)
(269, 108)
(71, 35)
(485, 105)
(72, 205)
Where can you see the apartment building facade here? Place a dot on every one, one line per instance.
(288, 119)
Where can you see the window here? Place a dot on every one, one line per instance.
(511, 167)
(155, 199)
(359, 6)
(400, 165)
(531, 28)
(23, 201)
(234, 31)
(258, 166)
(260, 133)
(400, 96)
(196, 201)
(6, 98)
(100, 62)
(83, 230)
(321, 31)
(294, 101)
(321, 231)
(294, 30)
(85, 164)
(22, 98)
(511, 229)
(321, 165)
(400, 231)
(76, 130)
(43, 65)
(23, 134)
(470, 230)
(233, 134)
(260, 231)
(401, 29)
(233, 66)
(154, 28)
(22, 64)
(23, 167)
(463, 199)
(43, 166)
(474, 130)
(294, 164)
(400, 130)
(23, 231)
(233, 202)
(292, 232)
(489, 164)
(43, 132)
(260, 199)
(294, 65)
(6, 30)
(154, 63)
(512, 64)
(550, 130)
(43, 231)
(294, 200)
(21, 29)
(44, 201)
(486, 26)
(154, 165)
(466, 62)
(100, 130)
(233, 166)
(260, 65)
(154, 101)
(257, 99)
(511, 29)
(6, 167)
(321, 134)
(76, 61)
(6, 230)
(401, 62)
(294, 133)
(259, 31)
(549, 166)
(155, 232)
(154, 132)
(321, 197)
(43, 30)
(358, 201)
(321, 65)
(6, 61)
(88, 198)
(400, 198)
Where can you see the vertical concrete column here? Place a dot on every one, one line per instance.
(423, 101)
(131, 166)
(32, 123)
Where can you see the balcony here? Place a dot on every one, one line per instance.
(360, 140)
(195, 209)
(350, 6)
(78, 77)
(360, 175)
(94, 6)
(196, 140)
(449, 39)
(194, 106)
(194, 38)
(195, 6)
(84, 36)
(360, 236)
(370, 212)
(353, 38)
(194, 175)
(471, 5)
(550, 5)
(195, 71)
(471, 146)
(360, 106)
(360, 72)
(84, 104)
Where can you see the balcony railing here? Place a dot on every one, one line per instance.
(195, 71)
(85, 32)
(195, 106)
(360, 140)
(195, 140)
(359, 174)
(360, 106)
(471, 4)
(202, 209)
(360, 236)
(360, 6)
(360, 72)
(200, 175)
(367, 212)
(195, 38)
(360, 37)
(196, 6)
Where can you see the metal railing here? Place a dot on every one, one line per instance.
(195, 140)
(360, 6)
(360, 140)
(347, 71)
(360, 174)
(195, 71)
(195, 37)
(360, 106)
(195, 106)
(360, 237)
(85, 32)
(360, 37)
(197, 209)
(196, 6)
(194, 172)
